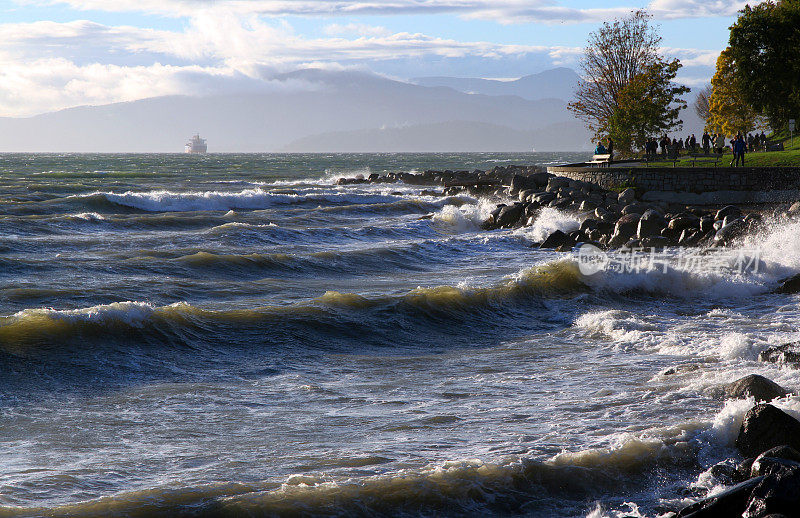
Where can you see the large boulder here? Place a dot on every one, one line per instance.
(785, 354)
(776, 494)
(556, 240)
(683, 221)
(728, 503)
(758, 387)
(627, 196)
(766, 427)
(728, 211)
(728, 233)
(650, 224)
(790, 285)
(509, 215)
(557, 182)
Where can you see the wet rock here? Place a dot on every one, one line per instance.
(729, 211)
(682, 222)
(624, 229)
(634, 208)
(555, 183)
(588, 225)
(689, 237)
(766, 427)
(707, 224)
(767, 465)
(778, 493)
(555, 240)
(758, 387)
(627, 197)
(786, 353)
(729, 232)
(726, 474)
(525, 194)
(587, 205)
(509, 215)
(655, 242)
(790, 285)
(730, 502)
(544, 197)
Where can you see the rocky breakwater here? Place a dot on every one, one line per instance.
(478, 182)
(611, 219)
(767, 482)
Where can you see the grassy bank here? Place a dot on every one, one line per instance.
(789, 157)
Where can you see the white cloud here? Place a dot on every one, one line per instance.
(504, 11)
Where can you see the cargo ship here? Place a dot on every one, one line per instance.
(197, 145)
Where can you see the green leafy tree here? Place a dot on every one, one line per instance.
(729, 112)
(626, 87)
(765, 46)
(648, 105)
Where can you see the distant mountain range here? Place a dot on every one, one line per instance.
(558, 83)
(329, 111)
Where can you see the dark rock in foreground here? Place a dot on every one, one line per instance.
(759, 387)
(790, 285)
(730, 502)
(766, 427)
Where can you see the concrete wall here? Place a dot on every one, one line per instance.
(689, 180)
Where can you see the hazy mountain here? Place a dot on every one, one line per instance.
(448, 136)
(324, 102)
(558, 83)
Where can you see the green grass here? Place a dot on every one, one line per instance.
(789, 157)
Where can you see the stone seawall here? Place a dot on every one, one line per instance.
(689, 180)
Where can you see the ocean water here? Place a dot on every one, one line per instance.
(236, 335)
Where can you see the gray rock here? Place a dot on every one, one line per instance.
(509, 215)
(650, 224)
(782, 354)
(707, 224)
(729, 503)
(627, 225)
(730, 232)
(627, 196)
(682, 222)
(790, 285)
(758, 387)
(587, 205)
(634, 208)
(728, 211)
(795, 208)
(556, 240)
(655, 242)
(555, 183)
(778, 493)
(766, 427)
(525, 194)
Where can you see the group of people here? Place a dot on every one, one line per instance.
(672, 147)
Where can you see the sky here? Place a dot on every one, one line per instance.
(56, 54)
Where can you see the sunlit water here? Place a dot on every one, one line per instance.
(237, 334)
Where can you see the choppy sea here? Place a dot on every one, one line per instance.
(238, 335)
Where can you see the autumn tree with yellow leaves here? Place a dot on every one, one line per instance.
(728, 111)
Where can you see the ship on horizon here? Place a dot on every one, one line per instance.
(197, 145)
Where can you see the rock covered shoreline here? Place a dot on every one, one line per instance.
(766, 483)
(610, 219)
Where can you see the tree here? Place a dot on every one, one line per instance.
(729, 111)
(647, 105)
(765, 45)
(621, 67)
(701, 103)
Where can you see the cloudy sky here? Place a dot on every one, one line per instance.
(60, 53)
